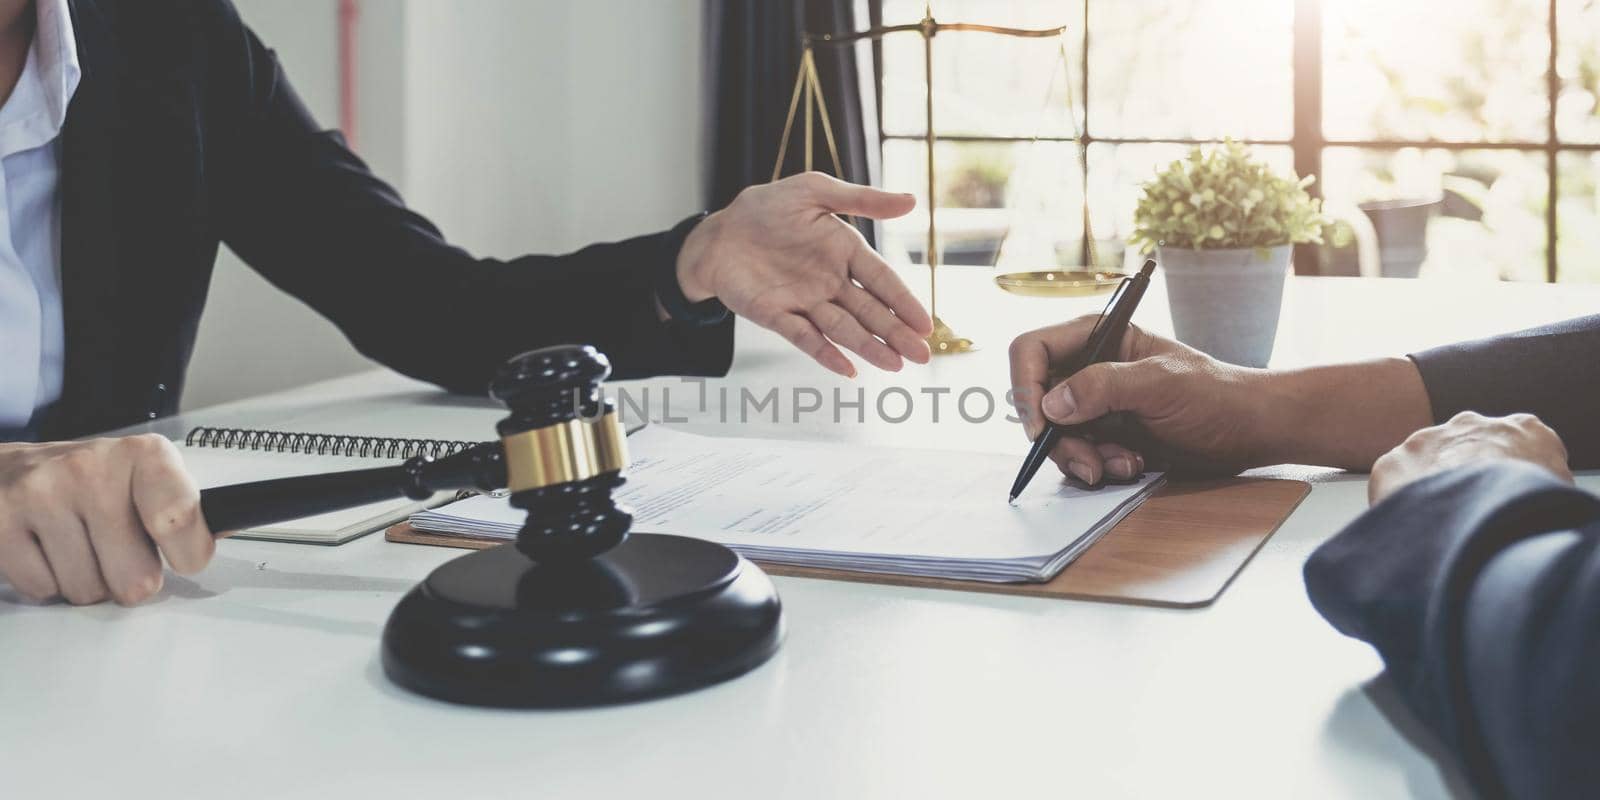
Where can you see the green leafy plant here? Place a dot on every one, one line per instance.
(980, 180)
(1224, 198)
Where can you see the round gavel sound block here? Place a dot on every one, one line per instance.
(577, 612)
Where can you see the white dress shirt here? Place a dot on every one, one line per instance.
(32, 340)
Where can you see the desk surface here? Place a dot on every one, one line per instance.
(260, 677)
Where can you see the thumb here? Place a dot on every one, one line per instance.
(1099, 389)
(839, 197)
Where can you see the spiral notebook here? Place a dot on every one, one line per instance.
(222, 456)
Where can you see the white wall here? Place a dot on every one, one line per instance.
(516, 125)
(253, 338)
(544, 125)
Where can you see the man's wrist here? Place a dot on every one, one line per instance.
(695, 263)
(1282, 417)
(1345, 416)
(683, 294)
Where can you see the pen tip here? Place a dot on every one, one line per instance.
(1012, 499)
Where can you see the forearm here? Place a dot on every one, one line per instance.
(305, 212)
(1477, 587)
(1345, 415)
(603, 295)
(1551, 372)
(1350, 414)
(1531, 648)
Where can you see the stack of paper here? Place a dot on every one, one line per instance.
(909, 512)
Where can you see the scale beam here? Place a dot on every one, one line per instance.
(944, 340)
(837, 39)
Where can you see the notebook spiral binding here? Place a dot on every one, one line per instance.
(322, 444)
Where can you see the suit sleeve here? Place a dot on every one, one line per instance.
(301, 209)
(1552, 372)
(1480, 588)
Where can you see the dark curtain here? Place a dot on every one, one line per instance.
(754, 49)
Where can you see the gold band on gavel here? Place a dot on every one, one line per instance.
(565, 452)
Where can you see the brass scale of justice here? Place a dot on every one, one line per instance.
(1045, 283)
(579, 610)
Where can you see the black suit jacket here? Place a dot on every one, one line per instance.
(1480, 587)
(184, 133)
(1552, 372)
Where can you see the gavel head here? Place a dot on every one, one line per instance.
(565, 450)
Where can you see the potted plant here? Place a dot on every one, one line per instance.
(971, 202)
(1223, 226)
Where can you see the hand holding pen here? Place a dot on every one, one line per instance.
(1103, 344)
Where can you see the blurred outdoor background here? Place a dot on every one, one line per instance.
(1464, 133)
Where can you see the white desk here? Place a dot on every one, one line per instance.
(260, 677)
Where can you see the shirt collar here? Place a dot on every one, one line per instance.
(35, 112)
(57, 50)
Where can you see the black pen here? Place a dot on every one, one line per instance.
(1102, 345)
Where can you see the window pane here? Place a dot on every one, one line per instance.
(1466, 70)
(1578, 62)
(1117, 174)
(1015, 204)
(1191, 69)
(1476, 213)
(1578, 218)
(984, 84)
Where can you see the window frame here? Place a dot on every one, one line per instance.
(1308, 141)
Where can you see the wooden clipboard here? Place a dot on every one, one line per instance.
(1180, 548)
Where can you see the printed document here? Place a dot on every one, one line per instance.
(844, 506)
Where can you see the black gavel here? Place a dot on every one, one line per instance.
(577, 612)
(561, 453)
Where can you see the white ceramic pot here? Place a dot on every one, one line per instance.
(1226, 302)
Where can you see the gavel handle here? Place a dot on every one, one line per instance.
(251, 505)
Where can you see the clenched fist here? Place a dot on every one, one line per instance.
(1468, 438)
(91, 521)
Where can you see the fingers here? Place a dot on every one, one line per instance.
(841, 197)
(1546, 445)
(168, 505)
(1030, 376)
(884, 324)
(1038, 356)
(838, 325)
(1079, 459)
(875, 275)
(38, 506)
(807, 339)
(99, 477)
(1035, 357)
(1092, 463)
(89, 521)
(65, 543)
(23, 565)
(1121, 463)
(1467, 438)
(1056, 345)
(128, 559)
(1099, 389)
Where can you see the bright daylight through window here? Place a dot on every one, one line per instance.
(1464, 136)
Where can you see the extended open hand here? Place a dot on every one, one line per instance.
(779, 257)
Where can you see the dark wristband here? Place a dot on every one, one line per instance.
(670, 292)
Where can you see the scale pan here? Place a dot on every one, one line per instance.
(1059, 283)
